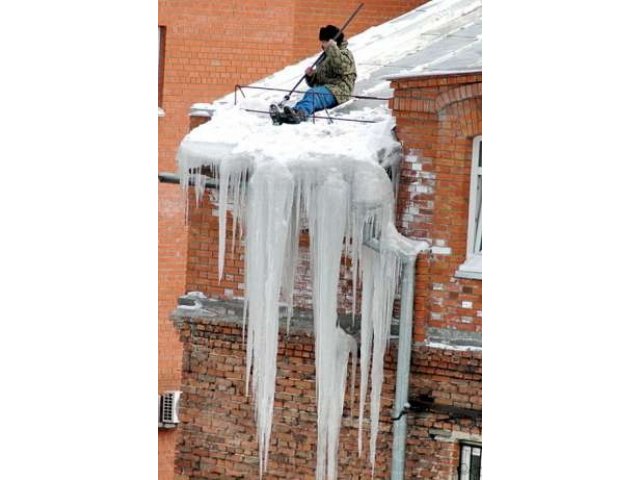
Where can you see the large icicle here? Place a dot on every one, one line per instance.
(222, 212)
(380, 272)
(269, 210)
(366, 336)
(327, 222)
(231, 179)
(291, 258)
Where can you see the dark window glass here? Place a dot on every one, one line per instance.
(470, 462)
(162, 31)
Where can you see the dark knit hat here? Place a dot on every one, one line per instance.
(329, 32)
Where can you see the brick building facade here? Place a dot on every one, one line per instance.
(439, 119)
(205, 49)
(218, 431)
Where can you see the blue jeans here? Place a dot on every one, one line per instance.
(316, 98)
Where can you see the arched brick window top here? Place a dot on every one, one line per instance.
(466, 115)
(458, 94)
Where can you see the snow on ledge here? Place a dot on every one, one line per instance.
(233, 134)
(471, 268)
(435, 73)
(458, 348)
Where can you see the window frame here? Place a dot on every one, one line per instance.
(162, 36)
(470, 447)
(472, 267)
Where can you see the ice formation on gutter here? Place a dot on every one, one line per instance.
(331, 179)
(275, 180)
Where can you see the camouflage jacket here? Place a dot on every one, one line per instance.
(337, 72)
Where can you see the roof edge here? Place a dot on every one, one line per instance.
(435, 73)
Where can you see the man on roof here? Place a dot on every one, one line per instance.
(331, 81)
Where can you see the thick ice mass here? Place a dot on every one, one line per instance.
(346, 199)
(333, 179)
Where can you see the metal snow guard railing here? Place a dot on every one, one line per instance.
(360, 97)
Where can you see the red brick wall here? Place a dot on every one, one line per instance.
(217, 439)
(202, 262)
(437, 118)
(171, 283)
(210, 47)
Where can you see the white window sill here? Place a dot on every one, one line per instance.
(160, 112)
(472, 268)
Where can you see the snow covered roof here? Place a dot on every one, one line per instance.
(439, 36)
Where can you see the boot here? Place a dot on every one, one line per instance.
(275, 114)
(292, 115)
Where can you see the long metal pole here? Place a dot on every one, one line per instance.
(288, 95)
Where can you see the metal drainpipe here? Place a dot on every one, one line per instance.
(403, 368)
(166, 177)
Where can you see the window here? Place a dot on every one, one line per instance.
(162, 31)
(472, 267)
(474, 242)
(470, 462)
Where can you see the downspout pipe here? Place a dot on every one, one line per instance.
(403, 368)
(165, 177)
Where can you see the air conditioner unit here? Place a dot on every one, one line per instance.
(168, 404)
